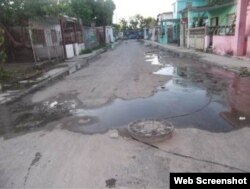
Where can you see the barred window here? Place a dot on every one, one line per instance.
(38, 36)
(215, 21)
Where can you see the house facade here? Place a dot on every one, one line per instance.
(222, 28)
(72, 36)
(165, 34)
(190, 18)
(46, 39)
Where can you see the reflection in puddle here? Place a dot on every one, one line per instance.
(168, 70)
(154, 59)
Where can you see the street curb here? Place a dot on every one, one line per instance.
(68, 70)
(191, 55)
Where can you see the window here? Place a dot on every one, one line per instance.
(38, 36)
(215, 21)
(53, 36)
(231, 18)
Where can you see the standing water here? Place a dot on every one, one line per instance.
(197, 95)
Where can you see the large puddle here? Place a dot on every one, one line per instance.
(196, 96)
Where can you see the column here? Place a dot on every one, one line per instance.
(240, 28)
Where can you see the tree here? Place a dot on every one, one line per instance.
(123, 24)
(83, 9)
(103, 12)
(18, 12)
(137, 22)
(2, 52)
(149, 22)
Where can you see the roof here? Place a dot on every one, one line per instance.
(68, 19)
(207, 8)
(164, 13)
(171, 20)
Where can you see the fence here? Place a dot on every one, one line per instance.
(221, 30)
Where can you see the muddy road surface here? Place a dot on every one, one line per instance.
(64, 135)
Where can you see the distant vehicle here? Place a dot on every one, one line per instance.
(133, 34)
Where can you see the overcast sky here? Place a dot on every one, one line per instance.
(128, 8)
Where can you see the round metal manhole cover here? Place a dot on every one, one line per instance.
(150, 131)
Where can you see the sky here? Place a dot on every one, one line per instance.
(128, 8)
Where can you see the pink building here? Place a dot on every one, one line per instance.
(239, 43)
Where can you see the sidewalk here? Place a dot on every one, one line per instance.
(229, 63)
(68, 67)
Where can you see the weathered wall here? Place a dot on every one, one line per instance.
(248, 46)
(240, 29)
(181, 4)
(196, 42)
(223, 45)
(69, 51)
(196, 38)
(109, 35)
(49, 49)
(248, 30)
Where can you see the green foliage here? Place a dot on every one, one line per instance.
(2, 50)
(244, 72)
(83, 9)
(14, 12)
(86, 51)
(103, 12)
(123, 24)
(101, 46)
(149, 22)
(137, 22)
(19, 11)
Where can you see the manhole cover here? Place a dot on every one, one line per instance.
(150, 131)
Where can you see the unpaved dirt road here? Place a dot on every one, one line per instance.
(108, 92)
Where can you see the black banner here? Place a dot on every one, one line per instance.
(209, 180)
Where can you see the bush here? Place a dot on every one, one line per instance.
(86, 51)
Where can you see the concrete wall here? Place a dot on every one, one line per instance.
(69, 51)
(223, 45)
(248, 46)
(196, 38)
(152, 32)
(181, 4)
(240, 46)
(207, 42)
(48, 52)
(248, 30)
(197, 42)
(109, 35)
